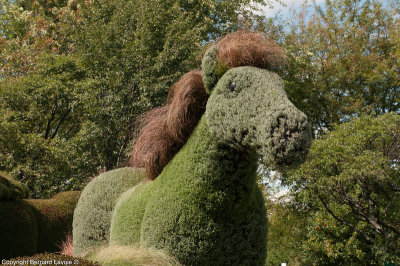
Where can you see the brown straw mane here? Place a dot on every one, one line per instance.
(243, 48)
(164, 130)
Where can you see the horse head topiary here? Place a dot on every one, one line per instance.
(201, 149)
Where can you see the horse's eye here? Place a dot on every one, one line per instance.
(232, 85)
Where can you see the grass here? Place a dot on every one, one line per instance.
(126, 255)
(66, 247)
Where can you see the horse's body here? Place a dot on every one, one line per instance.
(205, 203)
(205, 208)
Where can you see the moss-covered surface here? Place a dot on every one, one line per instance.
(46, 258)
(92, 217)
(131, 255)
(54, 218)
(10, 189)
(32, 226)
(211, 213)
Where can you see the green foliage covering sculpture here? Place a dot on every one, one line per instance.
(203, 206)
(30, 226)
(97, 202)
(12, 189)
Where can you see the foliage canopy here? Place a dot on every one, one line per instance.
(351, 180)
(342, 60)
(75, 74)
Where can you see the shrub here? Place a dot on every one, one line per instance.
(205, 207)
(92, 217)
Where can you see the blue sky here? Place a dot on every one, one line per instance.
(284, 10)
(296, 5)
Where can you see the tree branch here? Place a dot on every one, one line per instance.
(48, 127)
(62, 119)
(344, 222)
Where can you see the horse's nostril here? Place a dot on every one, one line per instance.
(282, 125)
(245, 133)
(281, 119)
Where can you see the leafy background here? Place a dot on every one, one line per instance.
(75, 74)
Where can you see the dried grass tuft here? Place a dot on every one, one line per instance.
(242, 48)
(165, 129)
(67, 247)
(127, 255)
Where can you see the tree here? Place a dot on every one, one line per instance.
(29, 29)
(351, 181)
(343, 60)
(286, 234)
(134, 50)
(129, 52)
(44, 128)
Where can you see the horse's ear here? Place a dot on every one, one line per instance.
(212, 68)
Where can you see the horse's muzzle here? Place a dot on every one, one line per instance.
(290, 138)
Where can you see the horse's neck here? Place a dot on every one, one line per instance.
(204, 159)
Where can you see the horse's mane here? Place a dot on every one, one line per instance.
(164, 130)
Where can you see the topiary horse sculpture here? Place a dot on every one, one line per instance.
(204, 206)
